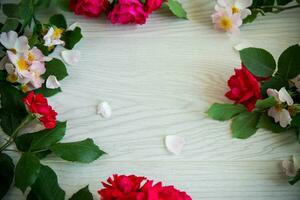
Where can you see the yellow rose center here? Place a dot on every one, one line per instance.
(31, 57)
(12, 78)
(25, 88)
(57, 33)
(235, 10)
(278, 107)
(226, 23)
(22, 65)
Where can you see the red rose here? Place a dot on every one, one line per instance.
(171, 193)
(122, 187)
(128, 11)
(38, 105)
(244, 88)
(152, 5)
(89, 8)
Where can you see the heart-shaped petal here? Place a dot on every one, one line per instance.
(174, 143)
(52, 82)
(104, 109)
(71, 57)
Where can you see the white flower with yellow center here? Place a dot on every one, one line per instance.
(12, 42)
(236, 6)
(224, 20)
(278, 112)
(52, 38)
(22, 68)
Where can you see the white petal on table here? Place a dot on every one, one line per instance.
(104, 109)
(73, 26)
(174, 143)
(52, 82)
(71, 57)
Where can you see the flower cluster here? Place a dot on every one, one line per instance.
(23, 64)
(122, 11)
(271, 97)
(229, 14)
(38, 105)
(265, 95)
(121, 187)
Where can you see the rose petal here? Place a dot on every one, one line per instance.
(104, 109)
(284, 96)
(71, 57)
(73, 26)
(52, 82)
(288, 168)
(174, 143)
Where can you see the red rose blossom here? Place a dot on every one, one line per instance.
(152, 5)
(244, 88)
(121, 187)
(128, 11)
(38, 105)
(89, 8)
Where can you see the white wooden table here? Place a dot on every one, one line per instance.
(160, 79)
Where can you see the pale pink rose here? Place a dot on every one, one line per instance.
(225, 20)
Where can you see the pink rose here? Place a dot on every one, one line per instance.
(152, 5)
(128, 11)
(89, 8)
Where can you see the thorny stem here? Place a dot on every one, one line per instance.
(13, 136)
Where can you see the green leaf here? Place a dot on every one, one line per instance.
(177, 9)
(10, 120)
(46, 92)
(13, 110)
(3, 75)
(296, 121)
(265, 103)
(42, 139)
(27, 171)
(57, 68)
(64, 5)
(46, 186)
(26, 11)
(11, 98)
(258, 61)
(289, 62)
(45, 138)
(283, 2)
(268, 123)
(296, 178)
(84, 151)
(59, 21)
(276, 82)
(6, 173)
(72, 37)
(298, 1)
(82, 194)
(224, 112)
(10, 25)
(245, 124)
(31, 196)
(11, 10)
(40, 4)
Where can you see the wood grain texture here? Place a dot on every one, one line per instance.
(160, 79)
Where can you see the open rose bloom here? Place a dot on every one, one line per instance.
(229, 15)
(122, 187)
(38, 105)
